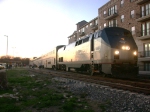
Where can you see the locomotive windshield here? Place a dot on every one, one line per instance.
(119, 36)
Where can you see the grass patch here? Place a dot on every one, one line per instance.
(28, 92)
(8, 105)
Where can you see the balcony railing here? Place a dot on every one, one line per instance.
(140, 2)
(144, 34)
(143, 54)
(110, 15)
(113, 25)
(143, 16)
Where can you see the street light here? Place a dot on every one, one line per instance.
(7, 45)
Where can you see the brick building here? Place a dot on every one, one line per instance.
(83, 29)
(133, 15)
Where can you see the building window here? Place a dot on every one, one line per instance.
(132, 14)
(104, 25)
(79, 30)
(100, 27)
(112, 23)
(122, 18)
(148, 28)
(133, 30)
(142, 11)
(122, 2)
(104, 12)
(145, 29)
(145, 10)
(147, 49)
(90, 24)
(112, 10)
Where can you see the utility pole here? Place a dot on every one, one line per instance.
(7, 45)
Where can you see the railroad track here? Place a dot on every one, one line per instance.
(134, 86)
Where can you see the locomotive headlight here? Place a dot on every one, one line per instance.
(116, 52)
(135, 53)
(125, 47)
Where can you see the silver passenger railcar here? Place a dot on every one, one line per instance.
(108, 51)
(49, 60)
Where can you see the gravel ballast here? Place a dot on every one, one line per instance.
(115, 100)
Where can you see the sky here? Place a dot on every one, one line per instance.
(34, 27)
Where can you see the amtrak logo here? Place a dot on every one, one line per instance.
(122, 41)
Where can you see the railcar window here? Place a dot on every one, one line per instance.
(61, 59)
(86, 40)
(80, 42)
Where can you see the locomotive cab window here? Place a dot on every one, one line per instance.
(99, 33)
(115, 37)
(96, 35)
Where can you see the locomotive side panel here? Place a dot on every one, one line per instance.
(82, 52)
(49, 60)
(75, 54)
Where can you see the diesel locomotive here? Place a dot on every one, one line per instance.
(110, 51)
